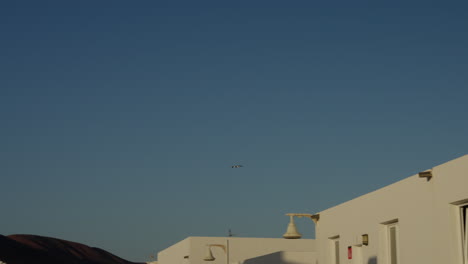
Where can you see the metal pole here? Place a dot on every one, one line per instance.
(227, 251)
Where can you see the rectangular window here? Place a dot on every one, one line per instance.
(392, 240)
(335, 250)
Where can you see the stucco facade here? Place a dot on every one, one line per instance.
(422, 219)
(419, 220)
(192, 250)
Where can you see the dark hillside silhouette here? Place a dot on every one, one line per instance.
(26, 249)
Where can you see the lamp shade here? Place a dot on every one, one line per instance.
(209, 255)
(291, 232)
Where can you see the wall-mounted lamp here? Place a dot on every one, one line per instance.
(291, 231)
(425, 174)
(365, 239)
(209, 255)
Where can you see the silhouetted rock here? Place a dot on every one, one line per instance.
(27, 249)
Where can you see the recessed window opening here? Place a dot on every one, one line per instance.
(335, 250)
(392, 247)
(393, 243)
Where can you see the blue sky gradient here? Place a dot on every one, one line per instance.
(120, 119)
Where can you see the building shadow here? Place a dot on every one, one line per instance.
(372, 260)
(273, 258)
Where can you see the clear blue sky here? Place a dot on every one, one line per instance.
(120, 119)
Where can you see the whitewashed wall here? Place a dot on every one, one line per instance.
(426, 211)
(240, 249)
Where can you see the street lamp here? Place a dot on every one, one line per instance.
(291, 232)
(209, 254)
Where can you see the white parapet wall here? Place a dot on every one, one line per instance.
(193, 250)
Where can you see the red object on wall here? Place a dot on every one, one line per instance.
(350, 252)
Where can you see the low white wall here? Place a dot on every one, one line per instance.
(239, 249)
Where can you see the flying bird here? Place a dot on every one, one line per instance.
(236, 166)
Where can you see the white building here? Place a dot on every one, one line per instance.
(422, 219)
(193, 250)
(419, 220)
